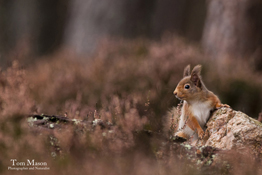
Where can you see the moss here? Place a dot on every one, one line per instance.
(256, 122)
(76, 121)
(187, 146)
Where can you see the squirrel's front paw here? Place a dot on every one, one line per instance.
(200, 134)
(225, 105)
(222, 105)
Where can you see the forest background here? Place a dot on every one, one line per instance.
(119, 61)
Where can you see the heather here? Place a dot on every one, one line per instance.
(127, 85)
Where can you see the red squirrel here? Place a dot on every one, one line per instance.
(198, 101)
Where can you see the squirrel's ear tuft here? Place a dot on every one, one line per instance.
(197, 70)
(195, 76)
(186, 71)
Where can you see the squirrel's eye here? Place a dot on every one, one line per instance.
(187, 86)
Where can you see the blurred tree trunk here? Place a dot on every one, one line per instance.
(30, 27)
(183, 17)
(233, 29)
(17, 24)
(92, 20)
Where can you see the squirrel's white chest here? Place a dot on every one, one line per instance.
(201, 111)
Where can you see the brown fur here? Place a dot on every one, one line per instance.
(197, 93)
(193, 124)
(181, 134)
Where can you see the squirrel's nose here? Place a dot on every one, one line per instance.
(175, 93)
